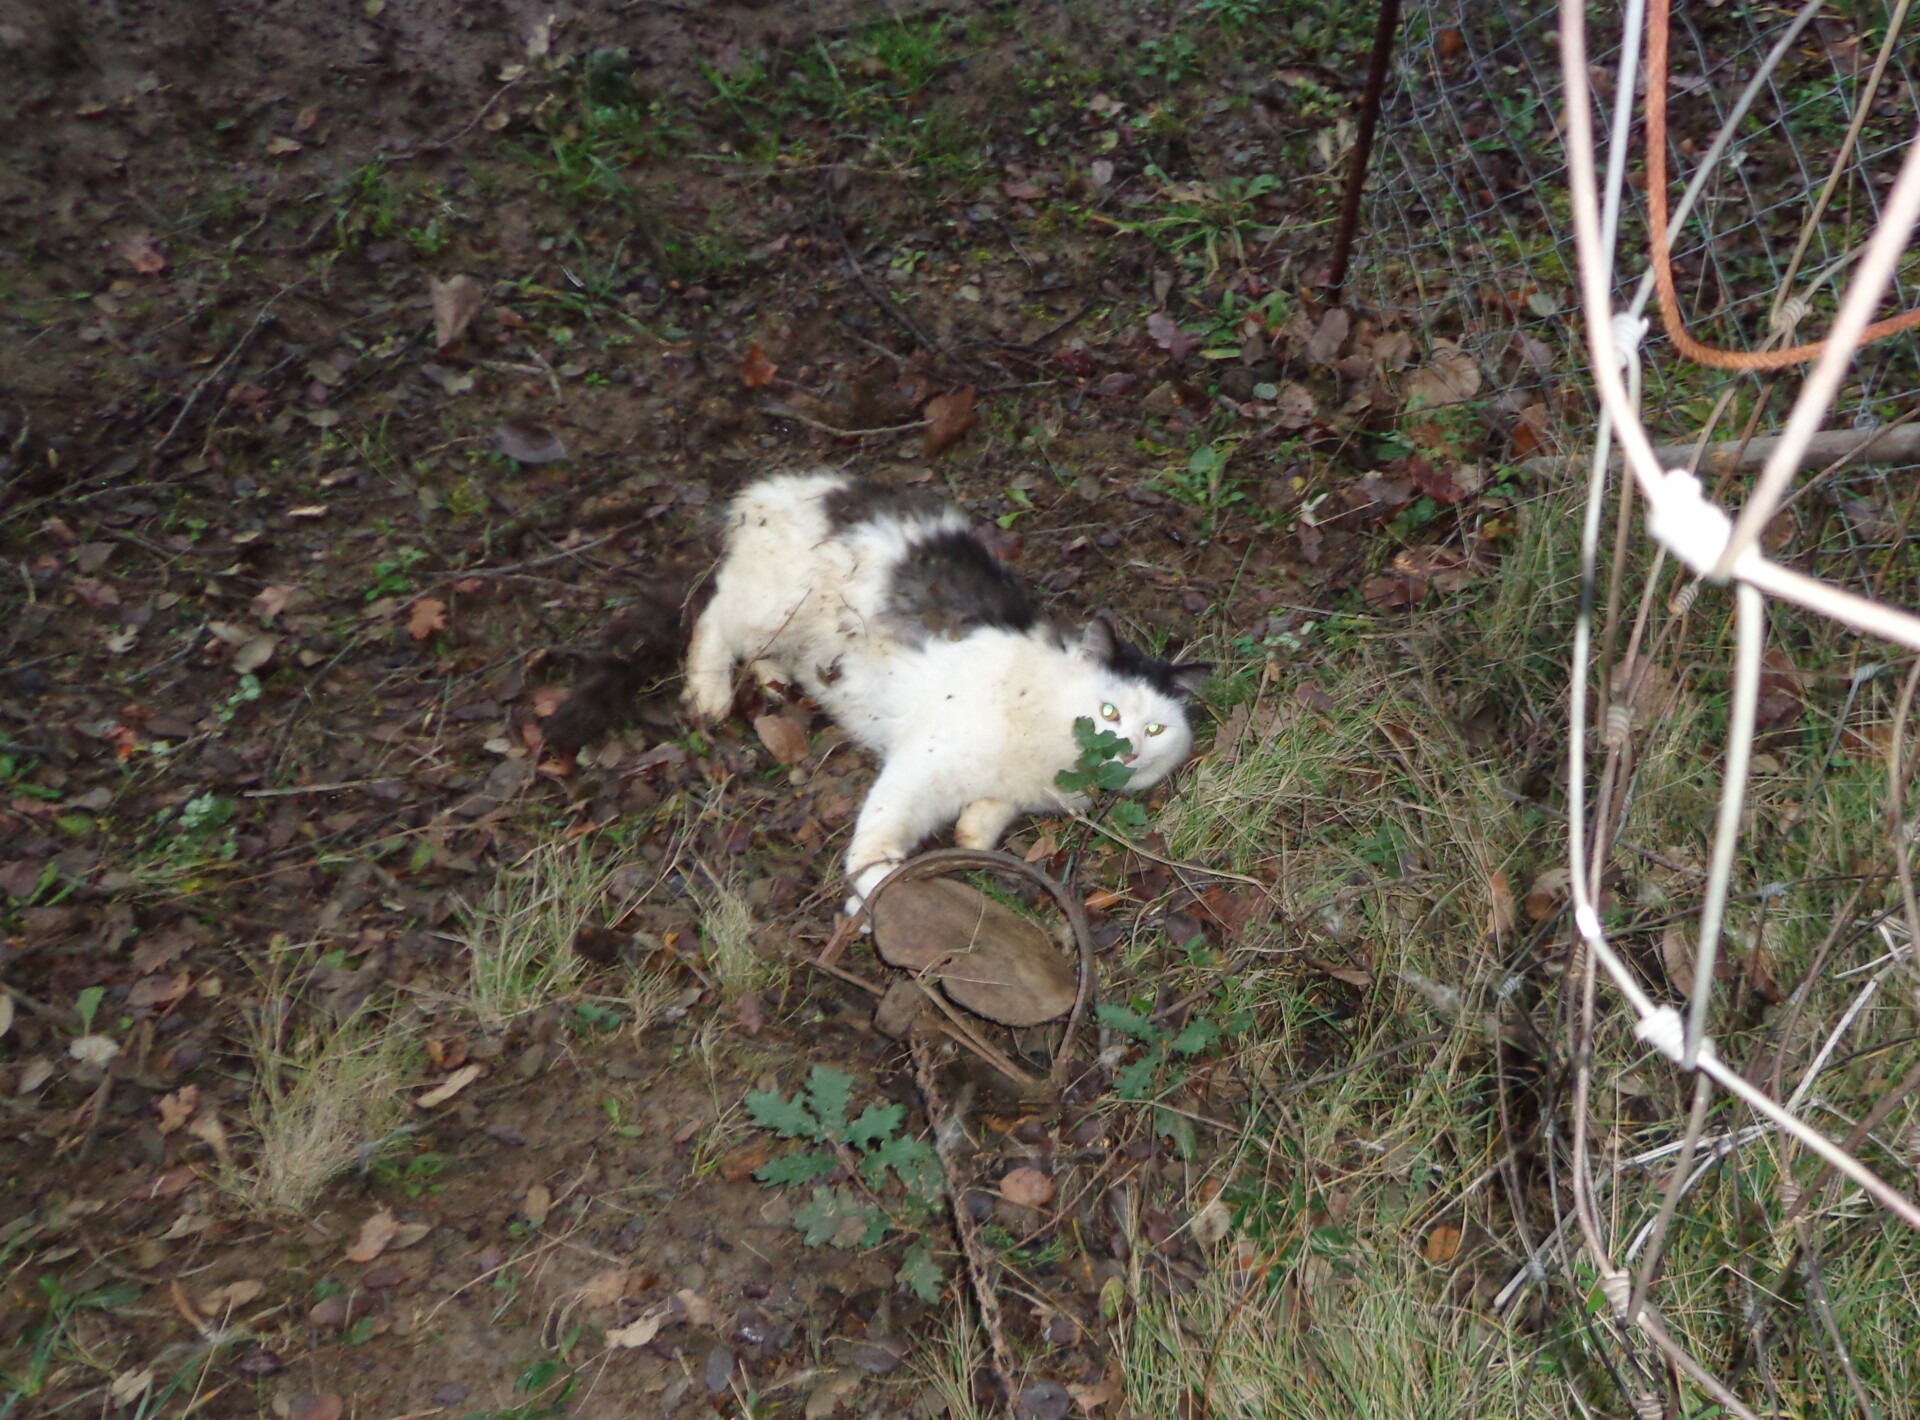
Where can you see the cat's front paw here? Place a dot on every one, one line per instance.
(866, 880)
(708, 700)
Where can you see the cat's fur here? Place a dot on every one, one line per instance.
(889, 613)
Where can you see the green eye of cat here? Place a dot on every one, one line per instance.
(1108, 711)
(1155, 728)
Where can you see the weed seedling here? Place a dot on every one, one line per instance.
(875, 1148)
(1102, 766)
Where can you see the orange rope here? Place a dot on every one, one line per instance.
(1658, 18)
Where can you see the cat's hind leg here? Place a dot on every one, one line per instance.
(710, 658)
(983, 823)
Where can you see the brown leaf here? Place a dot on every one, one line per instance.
(1501, 915)
(99, 595)
(1350, 975)
(306, 118)
(253, 653)
(372, 1239)
(1442, 1245)
(750, 1012)
(281, 146)
(143, 253)
(537, 1204)
(785, 739)
(529, 443)
(1323, 347)
(740, 1163)
(177, 1108)
(426, 616)
(951, 415)
(638, 1333)
(456, 301)
(603, 1289)
(1451, 377)
(271, 601)
(1028, 1187)
(1549, 891)
(152, 992)
(1166, 333)
(450, 1086)
(1437, 483)
(757, 371)
(309, 1406)
(1676, 953)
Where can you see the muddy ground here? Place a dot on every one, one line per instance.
(307, 539)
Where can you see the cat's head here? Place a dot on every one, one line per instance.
(1141, 698)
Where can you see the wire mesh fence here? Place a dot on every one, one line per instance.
(1730, 1143)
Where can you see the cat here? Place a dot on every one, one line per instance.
(885, 609)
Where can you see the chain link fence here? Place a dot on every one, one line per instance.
(1720, 1205)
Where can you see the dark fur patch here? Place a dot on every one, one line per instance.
(950, 585)
(864, 502)
(1176, 682)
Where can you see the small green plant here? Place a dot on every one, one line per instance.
(870, 1145)
(1161, 1067)
(244, 693)
(390, 574)
(416, 1175)
(1102, 767)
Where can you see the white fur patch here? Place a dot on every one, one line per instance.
(970, 730)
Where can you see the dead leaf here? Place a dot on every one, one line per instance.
(93, 1049)
(143, 253)
(1089, 1398)
(1549, 891)
(280, 145)
(6, 1013)
(456, 301)
(1028, 1187)
(97, 594)
(1676, 952)
(1439, 484)
(740, 1163)
(529, 443)
(306, 118)
(372, 1239)
(1451, 377)
(1165, 332)
(639, 1333)
(152, 993)
(1044, 847)
(129, 1386)
(699, 1310)
(951, 415)
(1501, 915)
(222, 1301)
(1323, 346)
(450, 1086)
(426, 616)
(785, 739)
(603, 1289)
(537, 1204)
(1442, 1245)
(253, 653)
(269, 602)
(177, 1108)
(308, 1406)
(757, 371)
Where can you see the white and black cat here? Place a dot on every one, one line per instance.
(902, 625)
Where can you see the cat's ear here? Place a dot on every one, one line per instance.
(1097, 642)
(1191, 675)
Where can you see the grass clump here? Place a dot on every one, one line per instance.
(325, 1096)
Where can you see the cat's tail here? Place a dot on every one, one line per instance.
(642, 649)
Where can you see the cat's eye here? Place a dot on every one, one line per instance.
(1109, 712)
(1155, 728)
